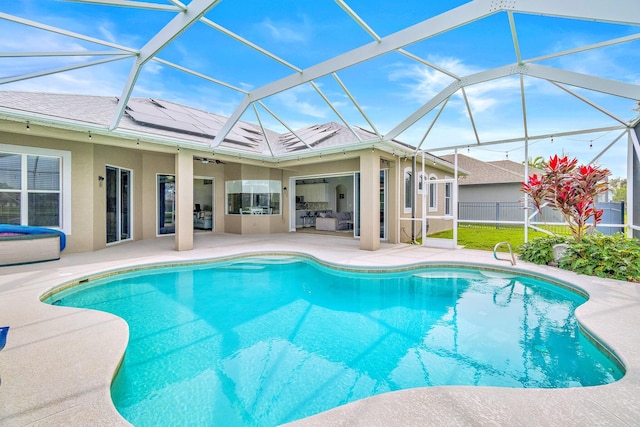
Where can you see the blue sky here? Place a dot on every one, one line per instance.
(387, 88)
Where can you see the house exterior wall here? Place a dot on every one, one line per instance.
(404, 232)
(152, 165)
(103, 156)
(508, 192)
(84, 184)
(370, 201)
(90, 157)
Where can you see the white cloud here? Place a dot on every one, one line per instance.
(293, 100)
(422, 83)
(288, 32)
(153, 67)
(106, 33)
(87, 81)
(246, 86)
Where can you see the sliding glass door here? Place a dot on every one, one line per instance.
(166, 204)
(383, 203)
(118, 183)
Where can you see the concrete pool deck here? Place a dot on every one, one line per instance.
(58, 362)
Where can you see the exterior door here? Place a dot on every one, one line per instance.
(383, 204)
(118, 183)
(166, 204)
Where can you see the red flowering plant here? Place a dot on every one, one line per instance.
(570, 189)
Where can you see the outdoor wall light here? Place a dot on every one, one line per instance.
(100, 178)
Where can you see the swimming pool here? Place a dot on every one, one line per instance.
(270, 340)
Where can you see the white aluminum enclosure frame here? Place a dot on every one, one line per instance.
(181, 17)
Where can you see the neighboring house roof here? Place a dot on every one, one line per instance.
(175, 122)
(514, 167)
(494, 172)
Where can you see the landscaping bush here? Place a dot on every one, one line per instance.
(613, 257)
(540, 250)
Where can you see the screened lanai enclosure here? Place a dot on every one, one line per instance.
(494, 80)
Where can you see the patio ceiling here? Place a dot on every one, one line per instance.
(197, 54)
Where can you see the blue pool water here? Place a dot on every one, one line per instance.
(263, 341)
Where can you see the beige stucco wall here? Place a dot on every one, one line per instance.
(153, 164)
(370, 201)
(121, 158)
(83, 187)
(90, 158)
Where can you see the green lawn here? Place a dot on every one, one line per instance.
(485, 238)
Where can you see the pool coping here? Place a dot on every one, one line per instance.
(59, 362)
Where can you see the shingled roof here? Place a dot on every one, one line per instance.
(494, 172)
(155, 117)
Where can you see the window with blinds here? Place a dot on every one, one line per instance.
(30, 189)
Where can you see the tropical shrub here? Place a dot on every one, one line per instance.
(540, 250)
(614, 257)
(570, 189)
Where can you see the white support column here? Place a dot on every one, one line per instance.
(526, 196)
(426, 190)
(629, 204)
(184, 201)
(370, 201)
(454, 195)
(633, 181)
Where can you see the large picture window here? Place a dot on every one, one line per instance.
(253, 197)
(31, 188)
